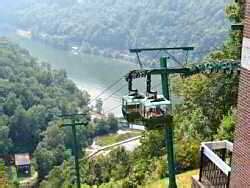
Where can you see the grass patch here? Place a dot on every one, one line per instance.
(183, 180)
(3, 175)
(113, 138)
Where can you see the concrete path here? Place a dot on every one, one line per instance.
(126, 143)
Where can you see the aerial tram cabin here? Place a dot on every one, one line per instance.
(131, 107)
(152, 111)
(131, 104)
(155, 112)
(155, 109)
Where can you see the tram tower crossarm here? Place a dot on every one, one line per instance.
(227, 66)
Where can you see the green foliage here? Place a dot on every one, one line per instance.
(204, 114)
(4, 182)
(101, 127)
(234, 12)
(106, 125)
(98, 105)
(45, 160)
(112, 122)
(113, 138)
(92, 25)
(192, 124)
(205, 100)
(187, 153)
(153, 143)
(208, 100)
(31, 94)
(57, 177)
(5, 141)
(226, 129)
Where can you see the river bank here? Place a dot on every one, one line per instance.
(89, 72)
(84, 47)
(92, 73)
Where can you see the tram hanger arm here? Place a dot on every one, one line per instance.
(143, 73)
(73, 124)
(170, 71)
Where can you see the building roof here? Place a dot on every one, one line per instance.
(22, 159)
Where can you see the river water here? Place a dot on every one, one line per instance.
(89, 72)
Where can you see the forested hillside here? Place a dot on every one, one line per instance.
(206, 113)
(32, 94)
(111, 26)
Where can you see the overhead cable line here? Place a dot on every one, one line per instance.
(207, 51)
(105, 90)
(116, 91)
(114, 108)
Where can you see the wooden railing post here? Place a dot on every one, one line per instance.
(228, 179)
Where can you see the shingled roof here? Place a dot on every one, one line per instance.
(22, 159)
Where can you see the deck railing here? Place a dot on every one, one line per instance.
(215, 164)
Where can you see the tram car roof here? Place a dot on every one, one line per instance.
(161, 100)
(133, 98)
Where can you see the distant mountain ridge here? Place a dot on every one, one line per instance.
(112, 25)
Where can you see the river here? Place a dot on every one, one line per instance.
(89, 72)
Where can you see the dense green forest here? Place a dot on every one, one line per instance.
(31, 92)
(110, 27)
(31, 95)
(207, 113)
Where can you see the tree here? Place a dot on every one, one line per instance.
(101, 127)
(44, 161)
(5, 141)
(57, 180)
(53, 146)
(120, 163)
(22, 131)
(31, 93)
(227, 126)
(11, 104)
(152, 145)
(99, 105)
(112, 122)
(122, 28)
(192, 123)
(187, 153)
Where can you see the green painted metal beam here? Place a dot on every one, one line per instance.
(168, 126)
(226, 66)
(139, 50)
(75, 150)
(72, 124)
(76, 154)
